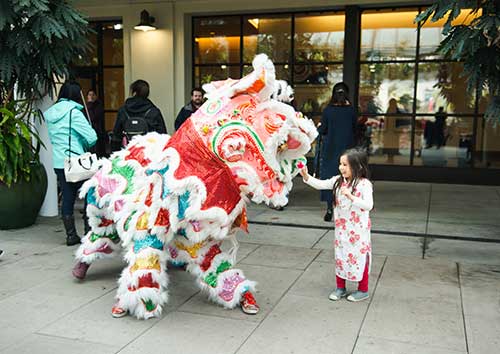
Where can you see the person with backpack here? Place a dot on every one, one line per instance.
(137, 116)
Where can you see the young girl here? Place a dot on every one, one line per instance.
(353, 200)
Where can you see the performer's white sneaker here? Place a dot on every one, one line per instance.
(117, 311)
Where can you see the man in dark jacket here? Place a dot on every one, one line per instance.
(138, 106)
(190, 108)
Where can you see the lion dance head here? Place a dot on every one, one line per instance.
(261, 139)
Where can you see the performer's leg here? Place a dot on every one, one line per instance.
(102, 241)
(215, 274)
(142, 289)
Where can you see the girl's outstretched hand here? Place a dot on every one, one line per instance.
(305, 175)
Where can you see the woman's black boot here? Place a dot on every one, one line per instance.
(328, 215)
(71, 235)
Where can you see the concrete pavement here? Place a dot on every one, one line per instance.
(444, 300)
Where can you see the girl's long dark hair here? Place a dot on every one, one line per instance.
(358, 161)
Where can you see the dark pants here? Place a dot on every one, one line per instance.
(69, 193)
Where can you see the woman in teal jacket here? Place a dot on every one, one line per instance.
(69, 106)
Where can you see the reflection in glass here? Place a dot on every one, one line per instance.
(431, 34)
(206, 74)
(313, 87)
(112, 45)
(282, 71)
(487, 144)
(217, 40)
(109, 120)
(443, 141)
(90, 59)
(319, 38)
(113, 88)
(388, 35)
(268, 35)
(442, 85)
(386, 143)
(381, 82)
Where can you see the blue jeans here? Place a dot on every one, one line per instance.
(69, 193)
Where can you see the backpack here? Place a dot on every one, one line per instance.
(134, 126)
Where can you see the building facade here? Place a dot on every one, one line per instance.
(415, 117)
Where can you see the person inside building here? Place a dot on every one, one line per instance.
(138, 109)
(337, 127)
(96, 113)
(190, 108)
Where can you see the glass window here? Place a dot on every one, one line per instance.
(268, 35)
(431, 34)
(282, 71)
(90, 59)
(443, 85)
(217, 40)
(487, 144)
(386, 138)
(112, 44)
(113, 88)
(443, 141)
(206, 74)
(386, 88)
(313, 87)
(319, 38)
(388, 35)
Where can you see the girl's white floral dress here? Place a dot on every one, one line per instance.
(352, 227)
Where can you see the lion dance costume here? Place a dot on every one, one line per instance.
(177, 198)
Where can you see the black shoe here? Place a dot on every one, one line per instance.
(71, 235)
(328, 215)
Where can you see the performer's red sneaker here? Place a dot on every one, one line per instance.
(248, 304)
(117, 311)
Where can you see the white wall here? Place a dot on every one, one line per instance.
(147, 55)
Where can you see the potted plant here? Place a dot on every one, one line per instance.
(38, 41)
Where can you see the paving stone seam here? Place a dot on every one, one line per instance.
(462, 308)
(176, 309)
(424, 245)
(83, 341)
(319, 239)
(249, 253)
(13, 261)
(369, 304)
(78, 308)
(389, 232)
(430, 346)
(271, 310)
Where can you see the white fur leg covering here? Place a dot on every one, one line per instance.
(213, 268)
(95, 247)
(142, 289)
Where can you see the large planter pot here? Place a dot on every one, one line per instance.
(21, 202)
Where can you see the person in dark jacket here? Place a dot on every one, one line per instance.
(96, 113)
(190, 108)
(337, 129)
(138, 105)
